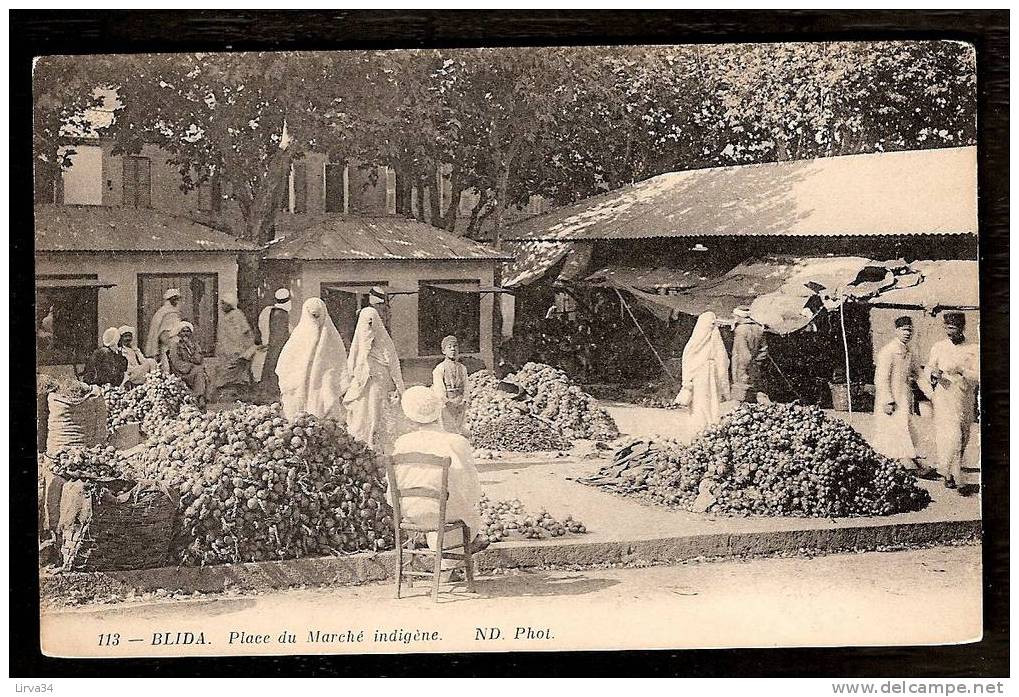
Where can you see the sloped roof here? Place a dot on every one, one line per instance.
(340, 237)
(897, 193)
(60, 228)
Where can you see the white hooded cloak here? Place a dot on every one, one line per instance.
(312, 367)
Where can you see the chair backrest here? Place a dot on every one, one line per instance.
(402, 461)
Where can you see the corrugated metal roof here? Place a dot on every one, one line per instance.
(340, 237)
(898, 193)
(532, 260)
(108, 229)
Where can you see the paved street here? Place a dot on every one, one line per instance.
(905, 597)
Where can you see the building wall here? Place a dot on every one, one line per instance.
(166, 194)
(306, 280)
(119, 305)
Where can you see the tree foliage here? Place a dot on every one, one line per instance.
(506, 124)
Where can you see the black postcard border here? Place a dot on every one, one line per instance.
(38, 32)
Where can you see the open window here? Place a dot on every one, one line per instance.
(199, 303)
(66, 318)
(449, 307)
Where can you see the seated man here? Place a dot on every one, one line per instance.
(424, 408)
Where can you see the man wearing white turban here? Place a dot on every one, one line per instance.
(274, 330)
(165, 319)
(106, 366)
(422, 406)
(312, 367)
(138, 366)
(235, 343)
(705, 374)
(374, 369)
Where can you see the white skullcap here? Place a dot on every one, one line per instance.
(111, 337)
(421, 405)
(171, 293)
(282, 295)
(376, 296)
(229, 298)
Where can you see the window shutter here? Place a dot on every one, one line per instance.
(144, 183)
(130, 182)
(300, 187)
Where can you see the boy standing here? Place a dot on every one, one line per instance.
(449, 382)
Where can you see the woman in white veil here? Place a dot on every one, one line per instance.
(374, 369)
(312, 366)
(705, 374)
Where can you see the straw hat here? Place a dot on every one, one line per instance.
(421, 405)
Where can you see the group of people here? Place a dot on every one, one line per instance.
(318, 376)
(948, 382)
(170, 346)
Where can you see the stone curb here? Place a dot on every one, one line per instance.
(362, 568)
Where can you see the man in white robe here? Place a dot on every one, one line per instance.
(164, 321)
(951, 376)
(895, 373)
(138, 366)
(235, 343)
(422, 406)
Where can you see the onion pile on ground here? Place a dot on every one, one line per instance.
(503, 519)
(775, 459)
(153, 403)
(255, 487)
(573, 412)
(518, 433)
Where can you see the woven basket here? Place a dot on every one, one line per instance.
(107, 529)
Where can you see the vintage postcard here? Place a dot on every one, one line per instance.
(516, 349)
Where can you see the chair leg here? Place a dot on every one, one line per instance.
(437, 577)
(468, 559)
(399, 561)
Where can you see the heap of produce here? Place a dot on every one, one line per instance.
(574, 413)
(152, 404)
(503, 519)
(518, 433)
(548, 395)
(487, 403)
(774, 459)
(255, 487)
(99, 462)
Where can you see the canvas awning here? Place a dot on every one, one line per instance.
(467, 288)
(784, 293)
(71, 283)
(647, 279)
(943, 285)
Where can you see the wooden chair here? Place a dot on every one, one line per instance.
(402, 526)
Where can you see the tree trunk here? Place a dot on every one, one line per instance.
(434, 206)
(404, 192)
(452, 211)
(421, 215)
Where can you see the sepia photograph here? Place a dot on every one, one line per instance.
(508, 349)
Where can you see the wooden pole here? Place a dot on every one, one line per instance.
(845, 347)
(623, 304)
